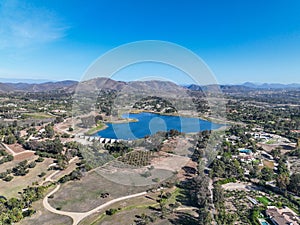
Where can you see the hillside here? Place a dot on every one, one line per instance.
(97, 84)
(43, 87)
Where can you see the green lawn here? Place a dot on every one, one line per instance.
(37, 115)
(264, 200)
(99, 127)
(270, 142)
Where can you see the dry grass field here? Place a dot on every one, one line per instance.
(84, 195)
(11, 189)
(11, 164)
(44, 217)
(130, 208)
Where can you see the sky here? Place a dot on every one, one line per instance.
(240, 41)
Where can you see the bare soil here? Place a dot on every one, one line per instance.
(17, 148)
(24, 156)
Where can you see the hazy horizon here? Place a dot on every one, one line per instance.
(40, 81)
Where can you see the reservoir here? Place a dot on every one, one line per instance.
(150, 123)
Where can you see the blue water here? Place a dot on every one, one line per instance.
(247, 151)
(264, 223)
(150, 123)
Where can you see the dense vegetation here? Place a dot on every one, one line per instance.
(15, 209)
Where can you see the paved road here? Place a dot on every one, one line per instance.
(77, 217)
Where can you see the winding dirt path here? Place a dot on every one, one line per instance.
(76, 216)
(213, 211)
(12, 151)
(49, 178)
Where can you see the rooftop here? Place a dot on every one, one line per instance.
(284, 216)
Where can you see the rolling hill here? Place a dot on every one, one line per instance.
(97, 84)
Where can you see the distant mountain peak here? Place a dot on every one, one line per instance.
(270, 85)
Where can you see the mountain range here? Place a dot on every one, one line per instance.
(271, 85)
(106, 83)
(37, 87)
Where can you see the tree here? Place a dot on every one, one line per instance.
(283, 181)
(204, 217)
(15, 123)
(254, 171)
(282, 168)
(295, 152)
(98, 118)
(111, 212)
(294, 185)
(10, 139)
(275, 152)
(8, 178)
(88, 121)
(218, 195)
(16, 214)
(32, 164)
(143, 219)
(267, 174)
(9, 158)
(31, 131)
(14, 203)
(54, 147)
(225, 218)
(218, 168)
(200, 193)
(49, 131)
(59, 119)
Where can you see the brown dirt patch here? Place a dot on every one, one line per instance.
(169, 161)
(17, 148)
(268, 164)
(23, 133)
(23, 156)
(266, 147)
(184, 174)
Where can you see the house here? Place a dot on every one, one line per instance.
(245, 155)
(58, 111)
(284, 216)
(34, 138)
(41, 131)
(252, 200)
(266, 155)
(233, 139)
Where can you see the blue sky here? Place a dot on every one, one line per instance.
(257, 41)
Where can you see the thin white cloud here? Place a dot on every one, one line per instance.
(22, 24)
